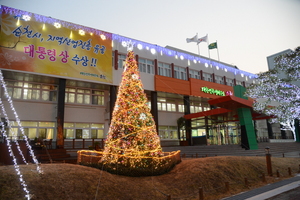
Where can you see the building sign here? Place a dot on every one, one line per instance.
(215, 92)
(38, 44)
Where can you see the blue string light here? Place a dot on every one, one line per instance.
(138, 44)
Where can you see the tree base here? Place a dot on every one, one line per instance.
(130, 166)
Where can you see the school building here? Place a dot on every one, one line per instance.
(63, 78)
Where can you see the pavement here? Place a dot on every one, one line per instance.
(271, 190)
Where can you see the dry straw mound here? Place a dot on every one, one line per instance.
(68, 181)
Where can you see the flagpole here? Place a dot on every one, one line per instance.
(218, 51)
(208, 51)
(198, 46)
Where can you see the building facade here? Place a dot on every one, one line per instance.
(62, 81)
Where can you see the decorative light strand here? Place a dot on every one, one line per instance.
(170, 52)
(15, 140)
(140, 45)
(16, 166)
(132, 139)
(276, 95)
(19, 123)
(50, 20)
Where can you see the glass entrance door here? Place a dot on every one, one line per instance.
(223, 134)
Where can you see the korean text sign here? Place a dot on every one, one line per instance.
(39, 47)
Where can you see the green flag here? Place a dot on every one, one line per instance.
(213, 45)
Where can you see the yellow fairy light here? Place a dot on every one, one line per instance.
(57, 25)
(132, 141)
(81, 32)
(103, 37)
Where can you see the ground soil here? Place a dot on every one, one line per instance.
(212, 174)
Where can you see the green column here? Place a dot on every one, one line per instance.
(248, 136)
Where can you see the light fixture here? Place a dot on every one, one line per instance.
(26, 17)
(181, 57)
(242, 75)
(57, 25)
(225, 69)
(124, 44)
(206, 65)
(195, 61)
(103, 37)
(140, 46)
(153, 51)
(91, 34)
(267, 150)
(81, 32)
(217, 67)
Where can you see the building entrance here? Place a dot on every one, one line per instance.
(223, 134)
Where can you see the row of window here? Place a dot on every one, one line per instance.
(170, 105)
(164, 69)
(45, 92)
(45, 130)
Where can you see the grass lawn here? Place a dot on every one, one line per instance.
(73, 182)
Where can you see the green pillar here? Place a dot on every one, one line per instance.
(248, 136)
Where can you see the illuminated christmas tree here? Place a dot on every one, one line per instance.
(133, 145)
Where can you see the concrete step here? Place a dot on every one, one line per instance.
(276, 149)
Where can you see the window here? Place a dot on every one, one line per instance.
(229, 82)
(239, 82)
(207, 77)
(166, 105)
(205, 107)
(194, 74)
(219, 79)
(121, 61)
(181, 108)
(195, 107)
(180, 73)
(146, 66)
(168, 132)
(164, 69)
(83, 131)
(84, 96)
(97, 97)
(31, 91)
(43, 130)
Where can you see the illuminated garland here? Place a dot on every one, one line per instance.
(8, 142)
(53, 21)
(15, 140)
(124, 40)
(19, 123)
(16, 166)
(277, 95)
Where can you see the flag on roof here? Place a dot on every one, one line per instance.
(202, 39)
(193, 39)
(213, 45)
